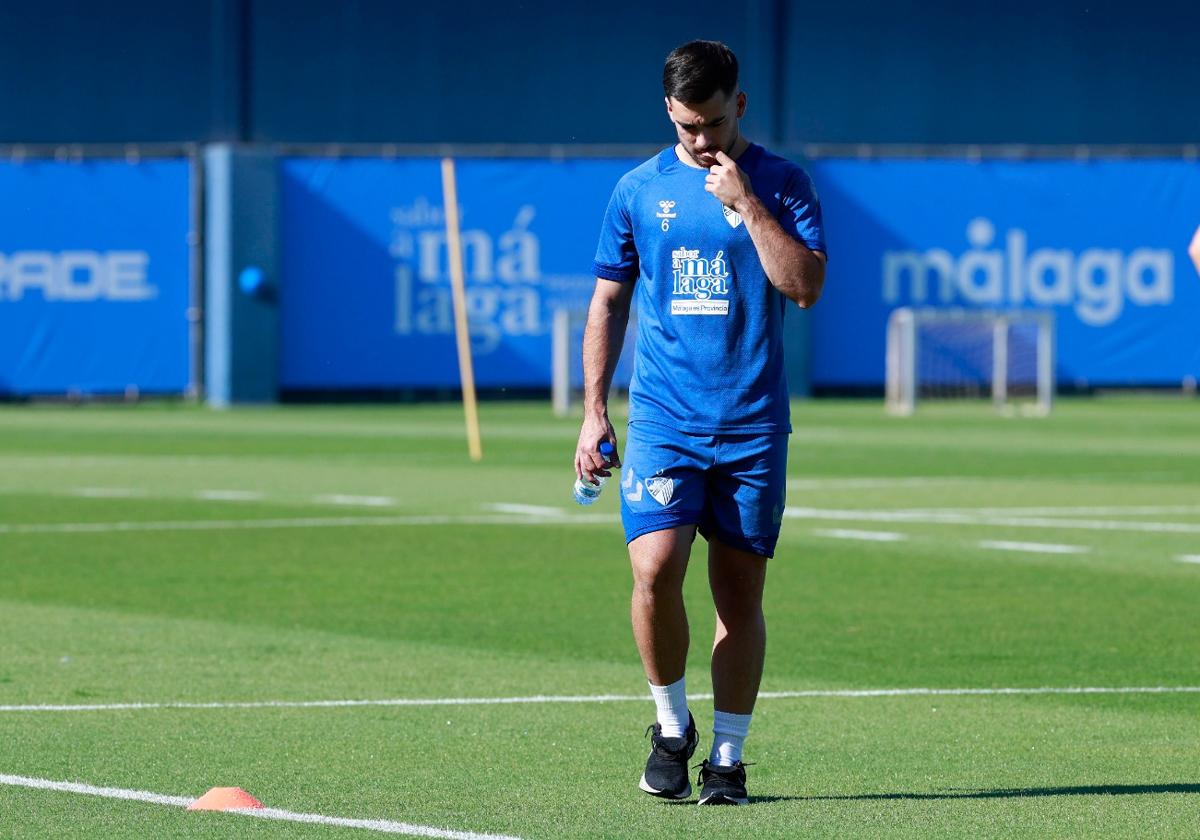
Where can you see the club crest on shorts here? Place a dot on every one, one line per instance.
(732, 216)
(661, 488)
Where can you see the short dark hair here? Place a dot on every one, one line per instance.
(698, 69)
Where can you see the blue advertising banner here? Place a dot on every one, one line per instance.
(365, 294)
(1103, 244)
(94, 276)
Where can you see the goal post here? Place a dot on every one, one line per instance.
(566, 358)
(1006, 356)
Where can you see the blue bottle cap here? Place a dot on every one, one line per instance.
(607, 449)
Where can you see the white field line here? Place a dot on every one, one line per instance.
(306, 522)
(541, 510)
(908, 516)
(539, 699)
(1034, 548)
(229, 495)
(1189, 558)
(934, 517)
(871, 483)
(91, 790)
(106, 492)
(850, 534)
(379, 826)
(359, 501)
(528, 510)
(534, 515)
(1096, 510)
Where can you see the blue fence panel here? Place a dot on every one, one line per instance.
(1103, 244)
(365, 295)
(94, 276)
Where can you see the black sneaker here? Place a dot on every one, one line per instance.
(667, 767)
(723, 785)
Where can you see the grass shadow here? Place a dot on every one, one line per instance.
(1005, 793)
(956, 793)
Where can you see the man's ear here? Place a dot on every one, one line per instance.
(741, 104)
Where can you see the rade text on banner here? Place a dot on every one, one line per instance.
(94, 276)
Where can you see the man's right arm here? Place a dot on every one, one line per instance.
(608, 316)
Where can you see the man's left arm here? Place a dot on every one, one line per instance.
(794, 269)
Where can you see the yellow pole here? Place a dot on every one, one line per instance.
(458, 285)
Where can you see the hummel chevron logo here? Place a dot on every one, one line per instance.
(627, 482)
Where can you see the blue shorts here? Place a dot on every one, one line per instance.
(731, 486)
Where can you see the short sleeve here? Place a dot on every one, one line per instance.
(800, 211)
(616, 254)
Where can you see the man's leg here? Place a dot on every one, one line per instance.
(736, 578)
(748, 490)
(662, 498)
(659, 560)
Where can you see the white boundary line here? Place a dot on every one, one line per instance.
(91, 790)
(1033, 548)
(872, 483)
(229, 495)
(351, 500)
(604, 698)
(526, 510)
(851, 534)
(303, 522)
(380, 826)
(532, 515)
(933, 517)
(106, 492)
(1071, 510)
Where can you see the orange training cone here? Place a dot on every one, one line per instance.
(224, 799)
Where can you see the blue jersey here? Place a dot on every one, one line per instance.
(710, 324)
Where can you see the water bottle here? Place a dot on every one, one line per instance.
(587, 493)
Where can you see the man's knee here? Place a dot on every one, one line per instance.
(656, 578)
(737, 591)
(659, 562)
(736, 578)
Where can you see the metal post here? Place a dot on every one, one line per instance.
(901, 362)
(195, 311)
(1046, 364)
(1000, 362)
(560, 362)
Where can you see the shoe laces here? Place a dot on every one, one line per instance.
(718, 769)
(659, 745)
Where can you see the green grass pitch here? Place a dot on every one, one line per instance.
(172, 554)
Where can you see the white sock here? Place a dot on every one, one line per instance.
(729, 733)
(671, 701)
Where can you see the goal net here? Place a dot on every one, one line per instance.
(566, 351)
(1006, 357)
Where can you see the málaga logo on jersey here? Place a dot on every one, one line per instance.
(699, 280)
(661, 488)
(732, 216)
